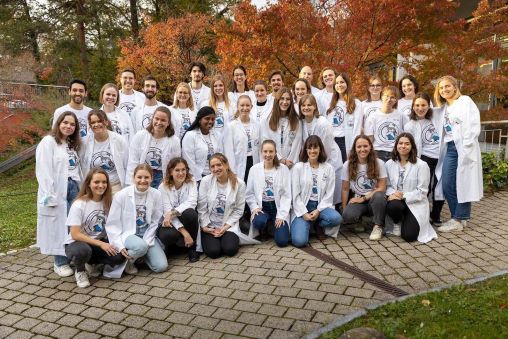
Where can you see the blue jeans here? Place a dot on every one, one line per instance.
(300, 227)
(459, 211)
(155, 256)
(157, 178)
(260, 221)
(72, 193)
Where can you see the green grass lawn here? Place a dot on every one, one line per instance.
(473, 311)
(18, 213)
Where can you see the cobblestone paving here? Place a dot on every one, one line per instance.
(263, 292)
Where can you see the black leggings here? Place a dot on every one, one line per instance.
(437, 205)
(170, 236)
(398, 211)
(81, 253)
(228, 244)
(341, 142)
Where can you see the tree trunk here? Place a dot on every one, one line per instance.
(81, 15)
(134, 19)
(32, 33)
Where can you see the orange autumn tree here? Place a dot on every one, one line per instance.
(165, 49)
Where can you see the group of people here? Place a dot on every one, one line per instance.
(136, 180)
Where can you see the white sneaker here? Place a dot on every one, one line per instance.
(63, 271)
(396, 230)
(130, 268)
(377, 233)
(94, 270)
(452, 225)
(464, 223)
(81, 279)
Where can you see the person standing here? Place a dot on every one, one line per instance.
(200, 92)
(276, 81)
(129, 97)
(307, 74)
(121, 123)
(77, 93)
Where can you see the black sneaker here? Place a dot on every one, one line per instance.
(193, 256)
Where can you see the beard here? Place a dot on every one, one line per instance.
(150, 95)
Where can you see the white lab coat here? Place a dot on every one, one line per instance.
(203, 97)
(281, 192)
(292, 142)
(301, 187)
(352, 123)
(140, 146)
(234, 96)
(264, 110)
(465, 118)
(188, 199)
(416, 187)
(51, 170)
(235, 204)
(235, 145)
(121, 221)
(124, 127)
(119, 151)
(195, 151)
(137, 117)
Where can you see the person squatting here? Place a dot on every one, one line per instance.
(136, 181)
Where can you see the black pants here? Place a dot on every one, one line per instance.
(81, 253)
(213, 247)
(384, 155)
(437, 205)
(398, 211)
(170, 236)
(341, 141)
(248, 165)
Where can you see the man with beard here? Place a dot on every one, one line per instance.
(276, 81)
(129, 98)
(307, 74)
(77, 93)
(200, 92)
(142, 114)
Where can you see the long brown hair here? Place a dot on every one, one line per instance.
(214, 100)
(311, 142)
(371, 79)
(426, 97)
(349, 97)
(231, 176)
(73, 140)
(273, 123)
(86, 194)
(313, 102)
(372, 165)
(168, 179)
(412, 154)
(170, 130)
(276, 162)
(103, 117)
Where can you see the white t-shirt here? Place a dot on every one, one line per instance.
(370, 107)
(185, 115)
(218, 207)
(148, 112)
(248, 128)
(73, 168)
(448, 126)
(103, 158)
(268, 191)
(117, 124)
(81, 114)
(208, 140)
(140, 200)
(404, 106)
(221, 116)
(154, 154)
(314, 193)
(362, 184)
(283, 128)
(127, 103)
(402, 175)
(336, 118)
(430, 139)
(385, 127)
(90, 216)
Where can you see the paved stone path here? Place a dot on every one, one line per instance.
(263, 292)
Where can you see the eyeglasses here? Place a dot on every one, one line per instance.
(376, 85)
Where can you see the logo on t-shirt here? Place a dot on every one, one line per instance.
(219, 120)
(94, 222)
(338, 116)
(82, 127)
(363, 184)
(369, 111)
(127, 107)
(140, 215)
(147, 118)
(154, 157)
(104, 160)
(406, 110)
(387, 132)
(430, 135)
(73, 159)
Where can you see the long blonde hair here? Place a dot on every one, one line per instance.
(440, 101)
(190, 102)
(214, 100)
(231, 175)
(243, 96)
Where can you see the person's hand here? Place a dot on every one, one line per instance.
(108, 248)
(278, 222)
(289, 163)
(356, 200)
(208, 229)
(307, 217)
(219, 232)
(167, 220)
(255, 212)
(125, 253)
(187, 240)
(393, 197)
(314, 214)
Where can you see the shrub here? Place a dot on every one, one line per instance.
(495, 171)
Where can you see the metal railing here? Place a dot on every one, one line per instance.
(493, 139)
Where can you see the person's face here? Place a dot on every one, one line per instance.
(244, 107)
(98, 126)
(182, 95)
(260, 92)
(127, 80)
(276, 82)
(313, 152)
(306, 73)
(217, 168)
(218, 88)
(142, 180)
(268, 152)
(98, 184)
(328, 77)
(308, 108)
(300, 89)
(196, 74)
(421, 107)
(179, 173)
(67, 126)
(160, 121)
(408, 88)
(239, 76)
(340, 85)
(362, 148)
(77, 93)
(375, 87)
(404, 146)
(110, 96)
(150, 89)
(284, 102)
(389, 99)
(206, 123)
(446, 89)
